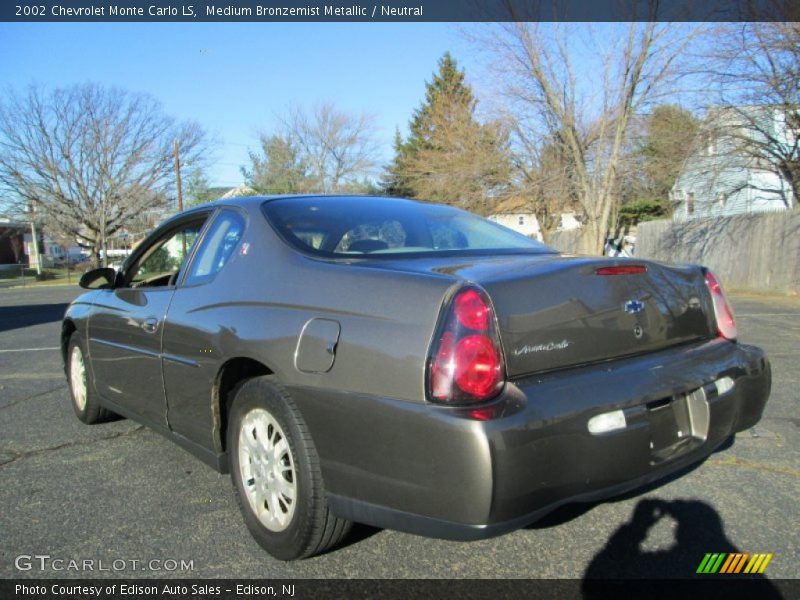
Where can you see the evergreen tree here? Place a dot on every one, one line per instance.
(671, 133)
(197, 188)
(653, 162)
(279, 169)
(394, 182)
(449, 156)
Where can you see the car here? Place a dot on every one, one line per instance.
(624, 246)
(406, 365)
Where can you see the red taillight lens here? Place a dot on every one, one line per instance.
(471, 310)
(466, 363)
(478, 367)
(726, 325)
(621, 270)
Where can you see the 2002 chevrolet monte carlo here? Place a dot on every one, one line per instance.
(406, 365)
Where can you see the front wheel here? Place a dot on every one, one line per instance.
(84, 399)
(276, 474)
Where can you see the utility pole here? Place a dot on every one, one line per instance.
(178, 174)
(35, 247)
(103, 241)
(180, 191)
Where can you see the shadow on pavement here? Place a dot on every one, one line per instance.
(17, 317)
(699, 531)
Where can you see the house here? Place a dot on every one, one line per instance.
(515, 213)
(241, 190)
(569, 221)
(724, 176)
(16, 246)
(12, 241)
(53, 252)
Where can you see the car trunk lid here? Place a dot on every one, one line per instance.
(568, 312)
(556, 311)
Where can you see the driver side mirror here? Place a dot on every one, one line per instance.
(104, 275)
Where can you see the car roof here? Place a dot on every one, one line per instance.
(250, 201)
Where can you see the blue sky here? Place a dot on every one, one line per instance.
(232, 78)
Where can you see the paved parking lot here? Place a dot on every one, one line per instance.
(120, 492)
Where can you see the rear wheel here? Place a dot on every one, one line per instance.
(276, 474)
(84, 399)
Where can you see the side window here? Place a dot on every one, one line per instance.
(160, 264)
(217, 247)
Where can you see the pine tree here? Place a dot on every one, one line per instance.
(671, 132)
(279, 169)
(394, 181)
(198, 190)
(449, 156)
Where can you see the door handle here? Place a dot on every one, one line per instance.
(150, 324)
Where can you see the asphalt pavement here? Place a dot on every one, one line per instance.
(119, 492)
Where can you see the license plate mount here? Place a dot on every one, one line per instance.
(678, 425)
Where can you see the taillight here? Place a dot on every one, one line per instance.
(471, 310)
(726, 325)
(466, 363)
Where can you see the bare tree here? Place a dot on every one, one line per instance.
(87, 159)
(543, 177)
(336, 149)
(756, 67)
(587, 120)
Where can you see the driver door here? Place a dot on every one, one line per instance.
(127, 322)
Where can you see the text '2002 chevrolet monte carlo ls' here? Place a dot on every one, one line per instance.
(406, 365)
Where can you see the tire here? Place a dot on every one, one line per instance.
(84, 398)
(276, 474)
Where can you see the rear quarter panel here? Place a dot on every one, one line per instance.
(257, 307)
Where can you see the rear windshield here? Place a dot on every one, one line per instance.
(366, 227)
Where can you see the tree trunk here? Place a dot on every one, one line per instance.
(596, 233)
(794, 182)
(96, 253)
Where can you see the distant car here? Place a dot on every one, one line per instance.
(406, 365)
(622, 247)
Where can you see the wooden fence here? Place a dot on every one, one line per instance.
(746, 252)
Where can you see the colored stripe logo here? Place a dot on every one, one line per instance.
(732, 563)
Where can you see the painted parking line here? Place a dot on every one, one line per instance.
(30, 349)
(30, 376)
(790, 314)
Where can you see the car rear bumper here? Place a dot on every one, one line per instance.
(467, 474)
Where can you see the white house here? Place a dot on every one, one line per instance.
(515, 214)
(241, 190)
(721, 179)
(568, 221)
(53, 252)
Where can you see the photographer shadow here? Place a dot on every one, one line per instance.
(699, 531)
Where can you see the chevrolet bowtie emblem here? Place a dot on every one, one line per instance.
(633, 306)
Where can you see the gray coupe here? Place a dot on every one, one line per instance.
(406, 365)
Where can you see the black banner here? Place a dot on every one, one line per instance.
(400, 10)
(708, 588)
